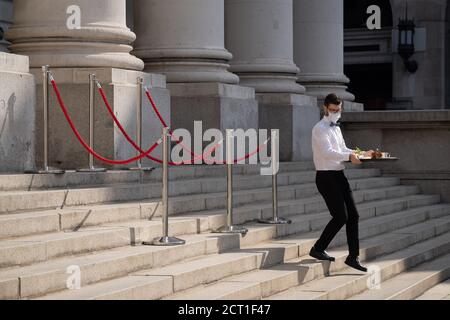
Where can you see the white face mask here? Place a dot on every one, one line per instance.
(334, 117)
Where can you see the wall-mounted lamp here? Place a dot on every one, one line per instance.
(406, 30)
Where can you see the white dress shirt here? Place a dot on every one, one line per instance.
(329, 149)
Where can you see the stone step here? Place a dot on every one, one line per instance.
(349, 282)
(76, 216)
(11, 201)
(32, 249)
(218, 201)
(269, 281)
(440, 291)
(26, 250)
(73, 218)
(369, 226)
(412, 283)
(316, 205)
(72, 179)
(50, 276)
(197, 272)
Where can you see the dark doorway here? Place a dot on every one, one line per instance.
(447, 58)
(371, 84)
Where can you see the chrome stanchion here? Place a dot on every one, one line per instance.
(139, 125)
(165, 240)
(91, 168)
(275, 162)
(46, 169)
(230, 228)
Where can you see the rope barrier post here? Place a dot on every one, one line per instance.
(45, 79)
(139, 86)
(230, 227)
(275, 155)
(165, 240)
(91, 168)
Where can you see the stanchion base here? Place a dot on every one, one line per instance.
(165, 241)
(142, 169)
(232, 229)
(92, 170)
(48, 171)
(275, 221)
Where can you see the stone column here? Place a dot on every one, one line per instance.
(319, 47)
(17, 114)
(75, 43)
(6, 16)
(259, 34)
(41, 31)
(185, 41)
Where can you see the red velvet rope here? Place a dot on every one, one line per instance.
(128, 138)
(85, 145)
(158, 114)
(161, 119)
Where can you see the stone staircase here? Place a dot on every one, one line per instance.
(96, 222)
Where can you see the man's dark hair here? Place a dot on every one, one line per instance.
(332, 99)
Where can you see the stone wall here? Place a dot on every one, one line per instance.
(421, 139)
(424, 89)
(17, 114)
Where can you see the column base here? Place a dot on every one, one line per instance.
(17, 114)
(271, 83)
(120, 87)
(322, 90)
(294, 115)
(217, 105)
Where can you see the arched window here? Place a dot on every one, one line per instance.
(355, 13)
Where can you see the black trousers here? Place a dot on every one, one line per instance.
(335, 189)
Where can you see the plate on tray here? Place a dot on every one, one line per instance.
(369, 159)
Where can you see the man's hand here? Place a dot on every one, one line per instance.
(354, 159)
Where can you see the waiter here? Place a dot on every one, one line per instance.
(329, 151)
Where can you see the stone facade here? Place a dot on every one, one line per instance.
(232, 64)
(229, 63)
(428, 87)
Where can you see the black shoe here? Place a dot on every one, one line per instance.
(320, 255)
(354, 263)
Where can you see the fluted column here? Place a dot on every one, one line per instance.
(259, 34)
(319, 47)
(40, 31)
(183, 40)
